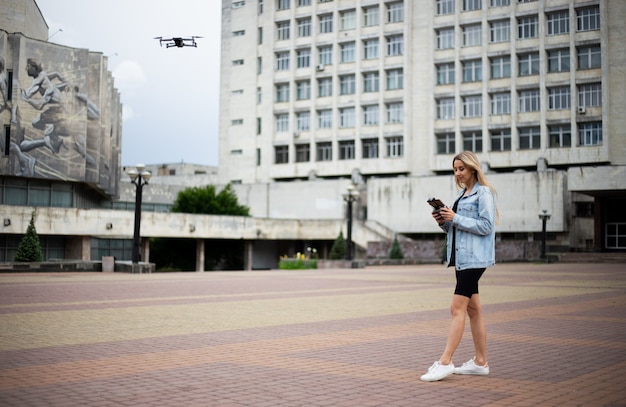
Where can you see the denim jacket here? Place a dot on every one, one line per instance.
(474, 222)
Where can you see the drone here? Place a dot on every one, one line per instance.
(178, 41)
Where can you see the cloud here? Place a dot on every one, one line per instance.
(127, 113)
(129, 76)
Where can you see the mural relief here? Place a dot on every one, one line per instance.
(57, 127)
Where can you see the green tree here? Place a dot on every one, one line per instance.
(338, 251)
(396, 251)
(29, 249)
(207, 201)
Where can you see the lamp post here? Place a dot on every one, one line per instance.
(350, 197)
(544, 216)
(140, 177)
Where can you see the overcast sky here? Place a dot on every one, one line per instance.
(170, 95)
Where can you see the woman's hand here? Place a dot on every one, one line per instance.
(446, 214)
(438, 218)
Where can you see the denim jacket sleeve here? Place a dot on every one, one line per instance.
(477, 219)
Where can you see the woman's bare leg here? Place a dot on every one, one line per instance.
(458, 309)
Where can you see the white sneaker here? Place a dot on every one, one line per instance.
(437, 372)
(470, 367)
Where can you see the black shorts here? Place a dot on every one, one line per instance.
(467, 282)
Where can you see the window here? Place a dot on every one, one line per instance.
(324, 87)
(500, 31)
(282, 123)
(303, 153)
(472, 106)
(445, 108)
(347, 84)
(395, 45)
(370, 48)
(559, 98)
(471, 5)
(283, 30)
(260, 9)
(348, 19)
(346, 150)
(472, 71)
(529, 100)
(445, 74)
(528, 64)
(303, 121)
(395, 79)
(303, 58)
(347, 51)
(326, 23)
(501, 103)
(501, 140)
(395, 12)
(370, 82)
(259, 95)
(304, 27)
(560, 135)
(304, 3)
(395, 146)
(238, 4)
(239, 33)
(260, 35)
(236, 122)
(259, 65)
(558, 22)
(529, 138)
(370, 148)
(473, 141)
(395, 113)
(259, 126)
(326, 55)
(370, 115)
(527, 27)
(284, 4)
(445, 7)
(324, 119)
(588, 19)
(590, 134)
(281, 154)
(590, 95)
(303, 90)
(472, 35)
(445, 143)
(324, 151)
(238, 62)
(500, 3)
(445, 38)
(282, 61)
(370, 16)
(282, 92)
(615, 235)
(501, 67)
(346, 117)
(589, 57)
(558, 60)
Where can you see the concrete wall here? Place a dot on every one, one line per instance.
(23, 16)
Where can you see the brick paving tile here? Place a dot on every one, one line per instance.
(358, 337)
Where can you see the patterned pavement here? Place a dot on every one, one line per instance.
(353, 337)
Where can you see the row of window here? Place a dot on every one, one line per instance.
(394, 80)
(528, 100)
(346, 117)
(527, 27)
(529, 138)
(346, 150)
(347, 21)
(448, 6)
(394, 46)
(559, 60)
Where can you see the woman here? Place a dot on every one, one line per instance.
(470, 225)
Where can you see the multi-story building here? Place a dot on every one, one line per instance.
(373, 89)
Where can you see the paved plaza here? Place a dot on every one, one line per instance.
(349, 337)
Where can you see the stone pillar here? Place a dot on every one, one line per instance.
(200, 255)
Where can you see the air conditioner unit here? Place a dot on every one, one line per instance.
(320, 67)
(582, 110)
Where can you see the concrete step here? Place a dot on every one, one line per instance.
(595, 257)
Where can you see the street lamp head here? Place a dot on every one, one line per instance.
(146, 175)
(140, 167)
(133, 174)
(544, 214)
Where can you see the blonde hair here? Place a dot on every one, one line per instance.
(470, 160)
